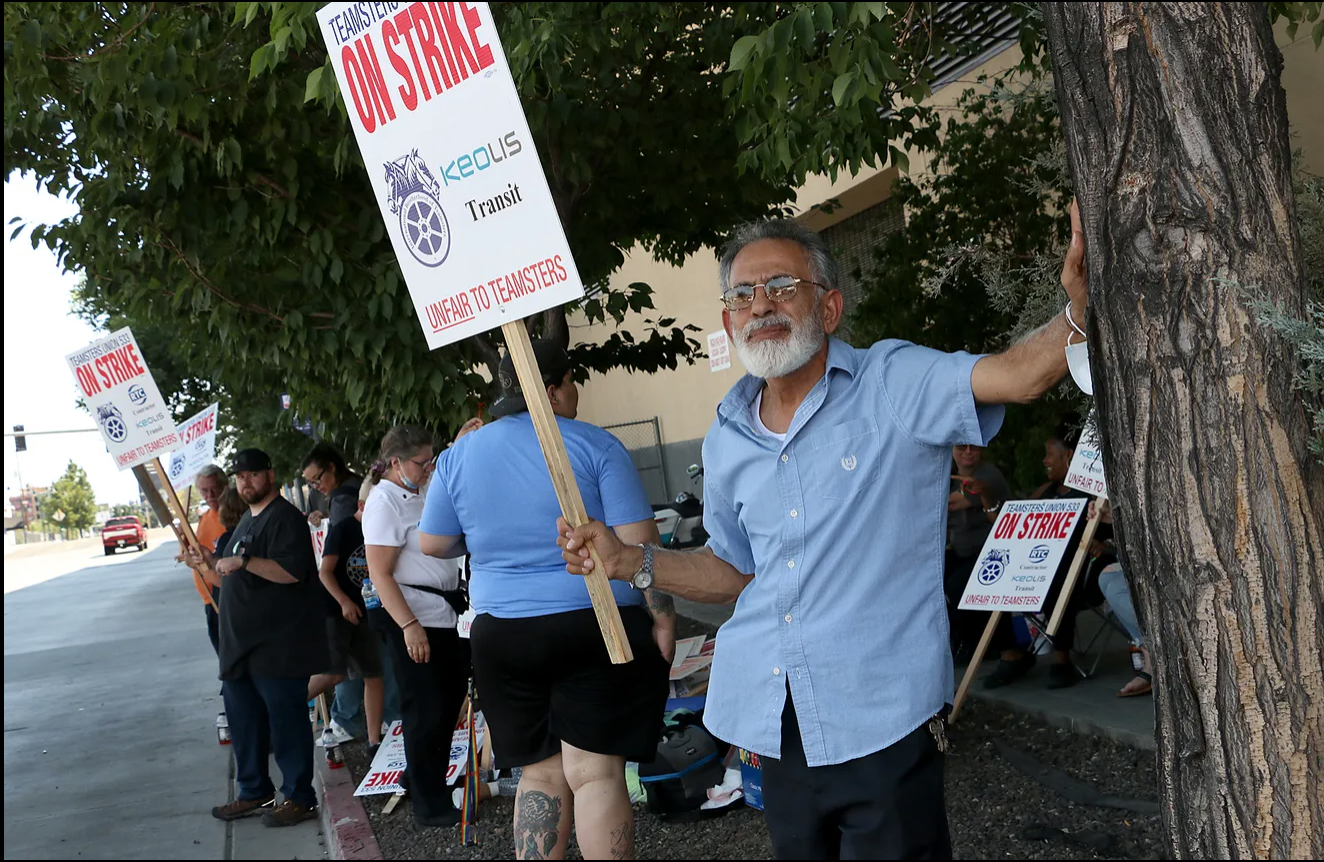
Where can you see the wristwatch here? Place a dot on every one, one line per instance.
(243, 560)
(991, 509)
(643, 579)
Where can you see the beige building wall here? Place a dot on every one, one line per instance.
(685, 400)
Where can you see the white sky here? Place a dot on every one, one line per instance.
(40, 330)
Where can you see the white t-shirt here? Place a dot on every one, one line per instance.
(757, 421)
(390, 518)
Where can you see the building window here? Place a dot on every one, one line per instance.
(853, 241)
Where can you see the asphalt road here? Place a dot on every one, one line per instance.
(110, 707)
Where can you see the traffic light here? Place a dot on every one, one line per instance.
(20, 442)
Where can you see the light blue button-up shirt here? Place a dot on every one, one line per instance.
(843, 525)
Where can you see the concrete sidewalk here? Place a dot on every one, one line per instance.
(110, 707)
(1090, 707)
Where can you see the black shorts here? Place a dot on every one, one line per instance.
(355, 649)
(547, 680)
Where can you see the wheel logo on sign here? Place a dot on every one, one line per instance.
(416, 201)
(176, 466)
(112, 422)
(993, 566)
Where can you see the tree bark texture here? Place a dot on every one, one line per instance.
(1177, 136)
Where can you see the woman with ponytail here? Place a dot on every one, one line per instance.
(430, 660)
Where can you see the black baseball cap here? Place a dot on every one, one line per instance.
(250, 461)
(554, 363)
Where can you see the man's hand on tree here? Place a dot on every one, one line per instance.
(1073, 270)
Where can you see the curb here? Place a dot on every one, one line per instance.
(1076, 724)
(346, 830)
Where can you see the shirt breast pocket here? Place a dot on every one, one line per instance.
(843, 460)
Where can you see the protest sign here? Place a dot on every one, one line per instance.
(719, 351)
(388, 765)
(123, 399)
(1021, 554)
(319, 532)
(198, 436)
(477, 235)
(452, 162)
(1086, 470)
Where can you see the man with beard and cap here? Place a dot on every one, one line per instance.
(273, 638)
(826, 492)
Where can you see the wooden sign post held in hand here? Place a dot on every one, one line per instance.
(181, 515)
(563, 479)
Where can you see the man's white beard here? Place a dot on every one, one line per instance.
(775, 357)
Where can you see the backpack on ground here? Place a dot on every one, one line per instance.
(687, 765)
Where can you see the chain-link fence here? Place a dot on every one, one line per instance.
(643, 439)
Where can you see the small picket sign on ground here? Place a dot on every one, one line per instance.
(466, 204)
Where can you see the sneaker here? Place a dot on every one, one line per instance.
(1007, 672)
(288, 814)
(242, 808)
(1063, 675)
(341, 735)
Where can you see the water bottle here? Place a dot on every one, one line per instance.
(334, 758)
(222, 729)
(371, 600)
(1137, 658)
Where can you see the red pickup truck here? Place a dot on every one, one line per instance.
(122, 533)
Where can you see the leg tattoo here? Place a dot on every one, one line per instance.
(622, 840)
(536, 824)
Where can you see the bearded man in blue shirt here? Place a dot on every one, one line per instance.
(827, 477)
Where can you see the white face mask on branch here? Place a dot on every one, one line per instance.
(1078, 363)
(1078, 356)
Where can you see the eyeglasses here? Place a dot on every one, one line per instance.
(779, 288)
(318, 479)
(424, 464)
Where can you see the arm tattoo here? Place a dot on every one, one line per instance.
(622, 840)
(536, 824)
(661, 604)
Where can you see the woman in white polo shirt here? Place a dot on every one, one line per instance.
(430, 659)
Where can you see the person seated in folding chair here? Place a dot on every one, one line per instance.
(1016, 661)
(1114, 586)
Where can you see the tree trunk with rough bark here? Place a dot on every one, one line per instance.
(1177, 136)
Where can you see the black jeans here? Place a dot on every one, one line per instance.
(270, 715)
(431, 695)
(886, 805)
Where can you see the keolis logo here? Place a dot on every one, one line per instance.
(481, 159)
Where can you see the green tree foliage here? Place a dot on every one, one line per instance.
(224, 205)
(981, 250)
(72, 494)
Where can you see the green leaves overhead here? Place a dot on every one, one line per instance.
(225, 207)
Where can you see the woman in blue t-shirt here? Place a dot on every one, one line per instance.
(554, 702)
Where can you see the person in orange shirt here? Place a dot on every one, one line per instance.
(211, 483)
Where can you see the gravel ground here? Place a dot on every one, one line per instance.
(995, 810)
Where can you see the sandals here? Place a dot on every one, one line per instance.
(1148, 685)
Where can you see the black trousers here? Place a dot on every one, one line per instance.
(966, 626)
(886, 805)
(431, 695)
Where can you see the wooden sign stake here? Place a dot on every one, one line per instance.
(563, 480)
(1078, 563)
(172, 500)
(163, 512)
(973, 668)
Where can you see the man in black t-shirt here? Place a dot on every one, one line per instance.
(273, 638)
